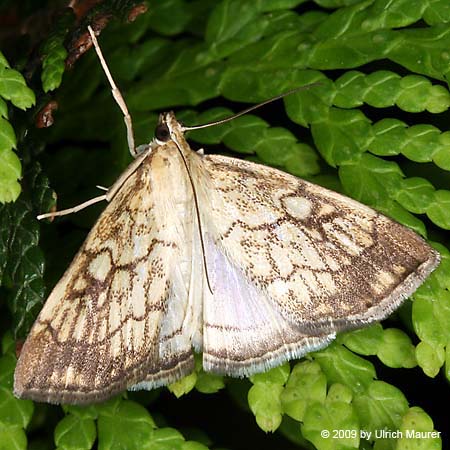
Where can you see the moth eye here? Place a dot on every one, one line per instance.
(162, 132)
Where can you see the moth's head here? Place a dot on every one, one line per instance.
(168, 129)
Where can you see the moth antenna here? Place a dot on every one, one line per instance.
(197, 213)
(251, 108)
(117, 95)
(130, 137)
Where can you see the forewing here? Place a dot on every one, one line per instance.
(99, 331)
(326, 261)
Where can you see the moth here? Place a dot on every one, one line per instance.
(244, 263)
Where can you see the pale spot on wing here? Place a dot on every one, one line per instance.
(325, 209)
(103, 330)
(346, 242)
(282, 260)
(297, 285)
(100, 266)
(261, 261)
(315, 235)
(377, 288)
(337, 235)
(252, 241)
(65, 318)
(324, 309)
(310, 280)
(337, 258)
(116, 345)
(70, 376)
(334, 264)
(278, 288)
(114, 314)
(120, 284)
(138, 295)
(80, 284)
(138, 334)
(238, 206)
(102, 299)
(364, 239)
(91, 334)
(398, 269)
(79, 327)
(286, 234)
(298, 207)
(54, 377)
(307, 256)
(64, 329)
(360, 236)
(327, 282)
(137, 249)
(383, 281)
(385, 278)
(138, 301)
(364, 222)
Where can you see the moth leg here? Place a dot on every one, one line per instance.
(117, 95)
(142, 148)
(74, 209)
(110, 192)
(102, 188)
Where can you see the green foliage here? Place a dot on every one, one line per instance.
(15, 414)
(264, 397)
(117, 424)
(377, 131)
(204, 382)
(53, 66)
(54, 53)
(21, 259)
(307, 384)
(13, 89)
(392, 346)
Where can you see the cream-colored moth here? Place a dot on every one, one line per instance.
(242, 262)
